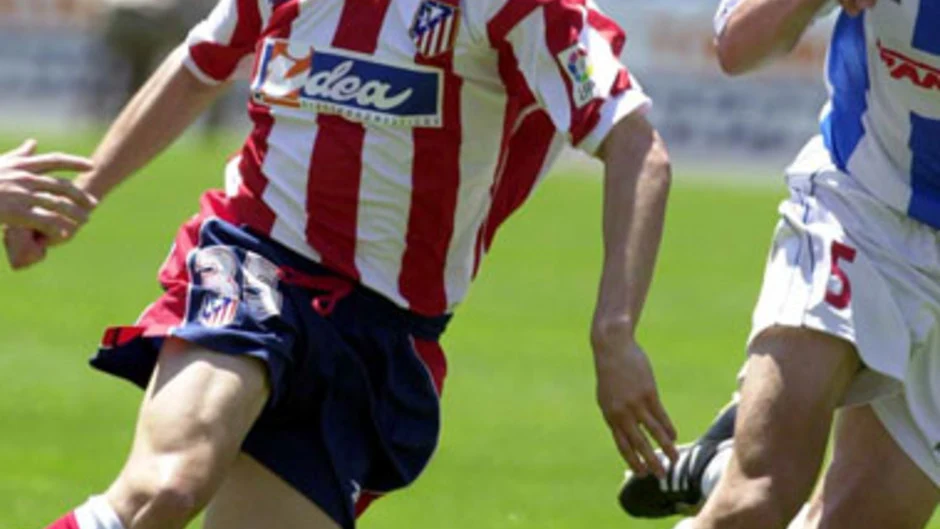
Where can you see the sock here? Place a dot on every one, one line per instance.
(723, 426)
(722, 431)
(686, 523)
(95, 513)
(66, 522)
(716, 467)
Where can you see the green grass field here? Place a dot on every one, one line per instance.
(523, 446)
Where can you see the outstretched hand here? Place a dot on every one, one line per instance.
(629, 400)
(39, 210)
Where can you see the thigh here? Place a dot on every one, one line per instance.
(197, 409)
(252, 496)
(200, 397)
(795, 379)
(871, 481)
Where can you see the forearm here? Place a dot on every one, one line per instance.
(758, 30)
(636, 187)
(166, 105)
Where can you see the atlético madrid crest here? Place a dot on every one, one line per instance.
(435, 27)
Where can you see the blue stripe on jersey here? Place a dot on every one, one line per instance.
(847, 70)
(927, 27)
(925, 170)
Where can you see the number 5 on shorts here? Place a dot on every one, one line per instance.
(839, 293)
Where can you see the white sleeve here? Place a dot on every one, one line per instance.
(568, 53)
(219, 44)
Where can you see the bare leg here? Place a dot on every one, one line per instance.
(796, 378)
(196, 412)
(252, 496)
(871, 481)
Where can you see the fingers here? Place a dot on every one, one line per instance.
(54, 227)
(54, 161)
(59, 186)
(26, 148)
(659, 431)
(61, 205)
(642, 446)
(855, 7)
(636, 448)
(23, 247)
(631, 427)
(664, 423)
(628, 453)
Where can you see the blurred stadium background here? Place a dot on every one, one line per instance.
(523, 446)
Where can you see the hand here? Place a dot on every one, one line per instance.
(24, 246)
(855, 7)
(53, 207)
(627, 395)
(39, 210)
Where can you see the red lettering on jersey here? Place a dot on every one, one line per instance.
(932, 81)
(902, 67)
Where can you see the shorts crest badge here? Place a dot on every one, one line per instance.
(434, 30)
(215, 271)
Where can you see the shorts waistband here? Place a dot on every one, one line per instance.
(336, 287)
(300, 271)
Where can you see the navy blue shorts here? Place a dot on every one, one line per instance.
(354, 410)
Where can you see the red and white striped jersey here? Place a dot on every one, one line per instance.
(392, 137)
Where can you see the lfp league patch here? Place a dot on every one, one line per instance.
(576, 63)
(434, 30)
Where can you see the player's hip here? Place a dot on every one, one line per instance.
(354, 377)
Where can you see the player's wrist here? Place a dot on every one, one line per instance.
(90, 183)
(607, 331)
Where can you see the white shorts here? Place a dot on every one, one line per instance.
(845, 264)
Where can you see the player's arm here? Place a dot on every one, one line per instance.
(568, 52)
(166, 105)
(636, 185)
(184, 85)
(163, 108)
(750, 32)
(193, 76)
(54, 207)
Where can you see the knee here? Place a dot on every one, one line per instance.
(178, 497)
(166, 496)
(756, 505)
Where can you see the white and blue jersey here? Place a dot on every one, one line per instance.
(882, 122)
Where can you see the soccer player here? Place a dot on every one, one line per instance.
(849, 315)
(292, 365)
(52, 208)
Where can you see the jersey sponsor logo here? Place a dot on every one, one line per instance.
(435, 28)
(902, 67)
(576, 63)
(352, 85)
